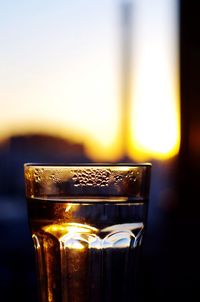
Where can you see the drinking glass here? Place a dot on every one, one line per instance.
(87, 224)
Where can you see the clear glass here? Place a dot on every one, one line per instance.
(87, 225)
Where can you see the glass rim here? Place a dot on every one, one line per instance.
(88, 180)
(93, 164)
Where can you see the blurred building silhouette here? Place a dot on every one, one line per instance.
(17, 271)
(20, 149)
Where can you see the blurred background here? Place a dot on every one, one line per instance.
(103, 81)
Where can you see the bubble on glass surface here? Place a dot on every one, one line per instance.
(132, 176)
(118, 178)
(54, 177)
(37, 176)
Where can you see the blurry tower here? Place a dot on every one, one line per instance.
(126, 59)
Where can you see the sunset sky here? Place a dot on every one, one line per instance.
(61, 73)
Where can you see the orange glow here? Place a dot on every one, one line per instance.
(155, 113)
(69, 85)
(155, 120)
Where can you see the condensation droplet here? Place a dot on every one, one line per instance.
(37, 178)
(118, 178)
(76, 183)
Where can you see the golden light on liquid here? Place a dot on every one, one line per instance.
(71, 235)
(155, 112)
(68, 208)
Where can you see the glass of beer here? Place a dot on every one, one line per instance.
(87, 224)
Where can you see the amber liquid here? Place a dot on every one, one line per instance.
(87, 252)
